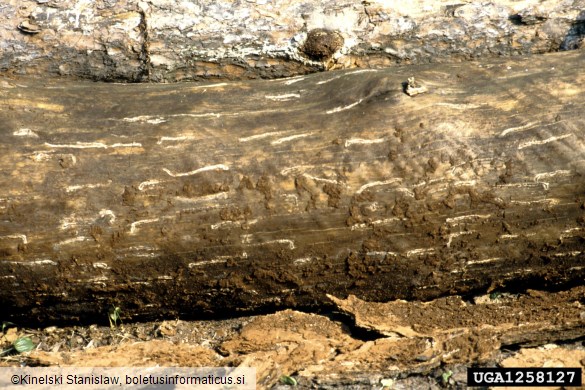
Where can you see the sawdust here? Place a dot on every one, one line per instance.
(413, 343)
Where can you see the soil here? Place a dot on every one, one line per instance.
(413, 344)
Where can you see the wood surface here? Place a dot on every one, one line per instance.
(226, 198)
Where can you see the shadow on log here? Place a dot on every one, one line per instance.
(191, 200)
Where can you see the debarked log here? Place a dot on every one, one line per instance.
(191, 199)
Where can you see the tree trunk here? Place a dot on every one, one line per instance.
(171, 40)
(220, 198)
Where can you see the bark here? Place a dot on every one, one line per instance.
(170, 40)
(220, 198)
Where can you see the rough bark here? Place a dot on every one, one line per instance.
(172, 40)
(190, 199)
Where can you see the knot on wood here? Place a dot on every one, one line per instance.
(412, 87)
(321, 44)
(29, 27)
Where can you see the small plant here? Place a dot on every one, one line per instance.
(495, 295)
(446, 376)
(20, 345)
(288, 380)
(23, 344)
(114, 316)
(7, 324)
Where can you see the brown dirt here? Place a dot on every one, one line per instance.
(416, 344)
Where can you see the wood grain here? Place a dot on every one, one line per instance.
(211, 199)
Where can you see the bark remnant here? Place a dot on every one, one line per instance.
(172, 40)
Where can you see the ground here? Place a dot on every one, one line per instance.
(414, 344)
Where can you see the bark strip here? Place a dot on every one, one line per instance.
(172, 40)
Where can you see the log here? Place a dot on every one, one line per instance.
(172, 40)
(226, 198)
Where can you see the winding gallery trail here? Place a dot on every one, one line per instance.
(192, 199)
